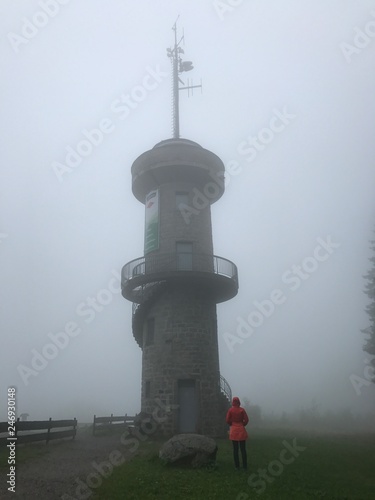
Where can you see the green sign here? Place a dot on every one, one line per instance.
(152, 221)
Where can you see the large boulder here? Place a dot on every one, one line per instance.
(189, 449)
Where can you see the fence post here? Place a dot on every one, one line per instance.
(75, 428)
(49, 429)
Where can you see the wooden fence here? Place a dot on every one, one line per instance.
(46, 425)
(112, 422)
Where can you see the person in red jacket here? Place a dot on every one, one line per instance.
(237, 419)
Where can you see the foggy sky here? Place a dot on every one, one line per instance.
(64, 239)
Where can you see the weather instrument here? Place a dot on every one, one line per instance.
(179, 66)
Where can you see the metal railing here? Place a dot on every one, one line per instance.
(179, 261)
(145, 292)
(225, 388)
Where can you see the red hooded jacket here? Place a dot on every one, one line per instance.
(237, 419)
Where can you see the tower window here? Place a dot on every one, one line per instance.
(184, 250)
(182, 198)
(150, 331)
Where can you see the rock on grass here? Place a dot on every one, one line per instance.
(194, 450)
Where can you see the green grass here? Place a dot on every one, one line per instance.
(331, 467)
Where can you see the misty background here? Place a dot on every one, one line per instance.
(65, 239)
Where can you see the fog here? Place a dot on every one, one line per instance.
(300, 193)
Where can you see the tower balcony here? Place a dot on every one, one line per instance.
(215, 275)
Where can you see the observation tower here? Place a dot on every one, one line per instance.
(177, 283)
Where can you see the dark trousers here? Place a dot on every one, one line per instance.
(243, 454)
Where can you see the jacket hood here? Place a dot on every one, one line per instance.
(236, 401)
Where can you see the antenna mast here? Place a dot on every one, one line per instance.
(178, 66)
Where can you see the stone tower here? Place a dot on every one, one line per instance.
(177, 283)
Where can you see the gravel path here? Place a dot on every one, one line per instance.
(61, 472)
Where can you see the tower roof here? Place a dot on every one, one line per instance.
(178, 140)
(177, 160)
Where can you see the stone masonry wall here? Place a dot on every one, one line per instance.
(185, 346)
